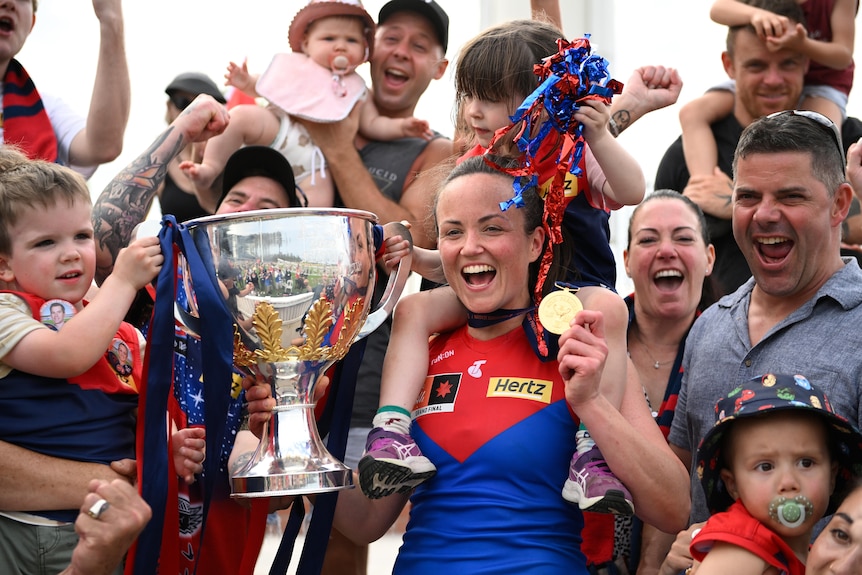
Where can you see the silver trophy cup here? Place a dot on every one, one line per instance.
(299, 284)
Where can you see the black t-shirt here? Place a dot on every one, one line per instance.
(731, 269)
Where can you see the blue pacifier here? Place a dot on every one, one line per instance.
(791, 512)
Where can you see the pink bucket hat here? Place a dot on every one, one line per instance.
(317, 9)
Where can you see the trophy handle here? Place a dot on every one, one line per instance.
(393, 289)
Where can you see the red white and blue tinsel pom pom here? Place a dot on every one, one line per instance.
(571, 76)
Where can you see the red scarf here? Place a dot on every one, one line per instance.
(24, 121)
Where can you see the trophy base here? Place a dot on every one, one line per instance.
(302, 483)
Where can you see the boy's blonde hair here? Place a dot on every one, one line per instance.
(27, 184)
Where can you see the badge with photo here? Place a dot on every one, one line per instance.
(120, 358)
(55, 313)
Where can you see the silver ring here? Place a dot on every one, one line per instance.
(98, 508)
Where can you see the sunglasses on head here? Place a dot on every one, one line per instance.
(181, 102)
(819, 119)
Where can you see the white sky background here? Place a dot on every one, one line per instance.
(168, 37)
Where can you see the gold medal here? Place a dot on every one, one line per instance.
(558, 309)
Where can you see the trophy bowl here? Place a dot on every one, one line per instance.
(298, 283)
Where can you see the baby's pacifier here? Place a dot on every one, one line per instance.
(791, 512)
(340, 64)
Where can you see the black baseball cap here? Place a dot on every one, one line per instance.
(259, 161)
(428, 8)
(194, 83)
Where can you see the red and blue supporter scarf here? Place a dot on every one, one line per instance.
(25, 122)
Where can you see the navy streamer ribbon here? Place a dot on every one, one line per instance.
(217, 349)
(335, 423)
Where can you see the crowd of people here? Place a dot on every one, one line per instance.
(707, 421)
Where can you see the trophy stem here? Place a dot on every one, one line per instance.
(291, 459)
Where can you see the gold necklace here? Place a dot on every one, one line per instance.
(656, 363)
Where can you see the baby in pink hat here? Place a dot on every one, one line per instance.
(316, 82)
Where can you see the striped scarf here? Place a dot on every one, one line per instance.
(24, 121)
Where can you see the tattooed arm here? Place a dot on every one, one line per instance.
(123, 204)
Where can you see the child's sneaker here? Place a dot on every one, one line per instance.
(392, 463)
(594, 487)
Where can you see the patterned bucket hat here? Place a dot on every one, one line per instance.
(775, 392)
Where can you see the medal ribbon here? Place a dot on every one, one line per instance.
(495, 317)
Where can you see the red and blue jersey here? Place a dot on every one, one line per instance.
(90, 417)
(494, 420)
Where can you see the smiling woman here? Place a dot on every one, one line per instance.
(485, 251)
(669, 259)
(512, 407)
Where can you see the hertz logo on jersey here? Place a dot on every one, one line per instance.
(520, 388)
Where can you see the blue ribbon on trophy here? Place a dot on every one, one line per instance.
(217, 348)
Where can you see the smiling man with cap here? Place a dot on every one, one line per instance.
(428, 8)
(257, 178)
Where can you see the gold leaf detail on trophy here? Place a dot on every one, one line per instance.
(345, 337)
(267, 324)
(317, 323)
(242, 357)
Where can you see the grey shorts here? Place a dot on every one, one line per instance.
(834, 95)
(36, 549)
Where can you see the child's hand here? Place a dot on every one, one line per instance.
(854, 167)
(769, 24)
(140, 262)
(395, 245)
(416, 128)
(238, 77)
(395, 248)
(792, 39)
(594, 115)
(189, 446)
